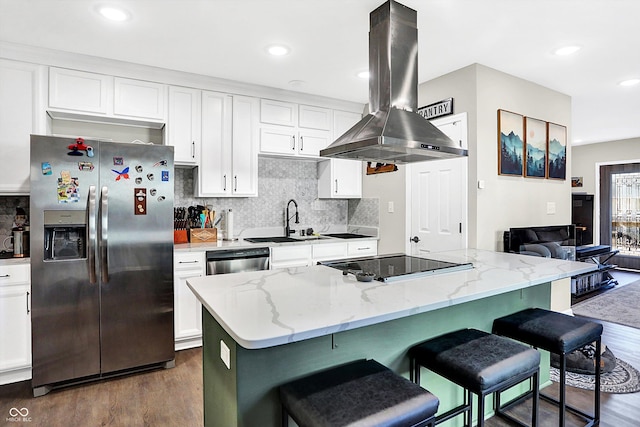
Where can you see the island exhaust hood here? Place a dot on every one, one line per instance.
(393, 132)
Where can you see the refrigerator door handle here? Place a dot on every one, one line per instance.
(91, 250)
(104, 233)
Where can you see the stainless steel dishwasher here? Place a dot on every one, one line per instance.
(237, 260)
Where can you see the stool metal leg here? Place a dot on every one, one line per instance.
(480, 410)
(596, 409)
(285, 417)
(563, 394)
(535, 388)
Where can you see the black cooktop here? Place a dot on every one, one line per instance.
(346, 235)
(389, 268)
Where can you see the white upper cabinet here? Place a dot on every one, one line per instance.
(183, 125)
(229, 156)
(340, 178)
(137, 98)
(294, 130)
(80, 91)
(100, 95)
(22, 112)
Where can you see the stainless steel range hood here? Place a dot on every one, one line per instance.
(393, 132)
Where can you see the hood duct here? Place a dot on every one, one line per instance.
(393, 132)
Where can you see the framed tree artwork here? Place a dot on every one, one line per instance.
(535, 159)
(557, 151)
(510, 143)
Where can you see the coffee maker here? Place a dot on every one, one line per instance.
(20, 232)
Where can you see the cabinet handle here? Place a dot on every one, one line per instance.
(224, 182)
(301, 143)
(188, 262)
(235, 187)
(293, 142)
(5, 275)
(28, 310)
(336, 186)
(193, 149)
(364, 249)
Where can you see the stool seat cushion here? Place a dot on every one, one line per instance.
(549, 330)
(476, 360)
(361, 393)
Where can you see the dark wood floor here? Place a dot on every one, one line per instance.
(617, 410)
(164, 397)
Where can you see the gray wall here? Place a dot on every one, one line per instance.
(586, 157)
(505, 201)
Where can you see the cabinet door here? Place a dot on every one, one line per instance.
(21, 114)
(362, 248)
(315, 118)
(277, 140)
(326, 251)
(339, 179)
(213, 177)
(15, 327)
(310, 142)
(343, 121)
(278, 112)
(138, 98)
(244, 146)
(80, 91)
(183, 124)
(290, 256)
(347, 177)
(188, 310)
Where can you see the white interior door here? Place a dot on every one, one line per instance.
(438, 201)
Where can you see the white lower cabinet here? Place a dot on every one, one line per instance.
(327, 251)
(187, 309)
(307, 255)
(15, 323)
(362, 248)
(290, 256)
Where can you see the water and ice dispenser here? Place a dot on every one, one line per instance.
(65, 234)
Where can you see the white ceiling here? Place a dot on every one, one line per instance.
(329, 43)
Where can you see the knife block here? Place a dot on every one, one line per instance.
(180, 236)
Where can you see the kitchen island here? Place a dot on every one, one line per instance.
(264, 328)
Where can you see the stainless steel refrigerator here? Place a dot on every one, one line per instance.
(101, 259)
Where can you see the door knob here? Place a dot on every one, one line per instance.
(415, 239)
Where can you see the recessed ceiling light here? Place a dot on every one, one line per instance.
(113, 13)
(278, 50)
(566, 50)
(630, 82)
(363, 74)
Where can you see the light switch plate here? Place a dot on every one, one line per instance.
(225, 354)
(551, 208)
(390, 207)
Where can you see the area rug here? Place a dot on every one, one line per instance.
(623, 379)
(617, 306)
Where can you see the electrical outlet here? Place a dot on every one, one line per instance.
(225, 354)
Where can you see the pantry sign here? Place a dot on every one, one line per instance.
(438, 109)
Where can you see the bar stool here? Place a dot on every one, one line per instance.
(363, 393)
(560, 334)
(481, 363)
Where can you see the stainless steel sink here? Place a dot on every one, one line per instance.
(275, 239)
(282, 239)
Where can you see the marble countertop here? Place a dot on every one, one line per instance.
(243, 244)
(15, 261)
(267, 308)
